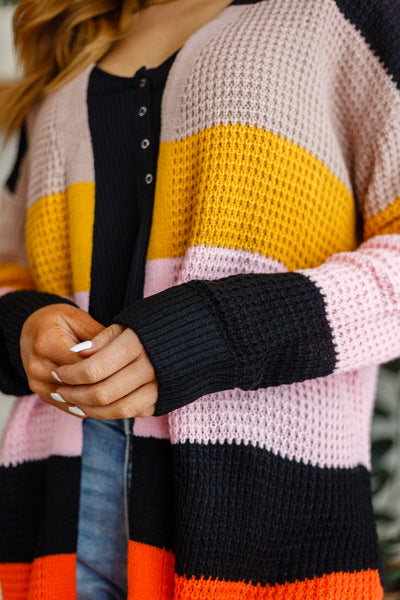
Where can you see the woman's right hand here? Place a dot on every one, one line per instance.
(46, 340)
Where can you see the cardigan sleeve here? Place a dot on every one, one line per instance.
(261, 330)
(18, 297)
(256, 331)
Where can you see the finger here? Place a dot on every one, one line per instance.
(49, 395)
(64, 330)
(105, 337)
(54, 346)
(115, 387)
(141, 402)
(122, 350)
(42, 369)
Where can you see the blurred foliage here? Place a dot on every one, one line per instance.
(386, 473)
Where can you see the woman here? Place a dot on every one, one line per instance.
(210, 438)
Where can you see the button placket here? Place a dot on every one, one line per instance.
(145, 130)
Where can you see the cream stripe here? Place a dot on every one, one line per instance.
(12, 224)
(369, 102)
(61, 147)
(248, 73)
(76, 133)
(251, 71)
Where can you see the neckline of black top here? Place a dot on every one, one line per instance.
(155, 76)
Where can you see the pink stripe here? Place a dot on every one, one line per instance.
(362, 297)
(201, 262)
(5, 290)
(156, 427)
(161, 274)
(81, 299)
(324, 422)
(37, 430)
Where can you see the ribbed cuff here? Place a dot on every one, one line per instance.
(185, 343)
(246, 331)
(15, 308)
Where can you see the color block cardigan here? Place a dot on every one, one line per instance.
(272, 292)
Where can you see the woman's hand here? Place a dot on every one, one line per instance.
(116, 379)
(45, 342)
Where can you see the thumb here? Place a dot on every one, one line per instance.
(103, 338)
(82, 325)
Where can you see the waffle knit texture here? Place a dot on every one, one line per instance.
(271, 293)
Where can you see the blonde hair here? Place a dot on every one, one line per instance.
(55, 40)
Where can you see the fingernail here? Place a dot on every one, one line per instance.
(81, 346)
(56, 377)
(76, 411)
(58, 398)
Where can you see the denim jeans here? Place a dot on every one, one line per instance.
(103, 515)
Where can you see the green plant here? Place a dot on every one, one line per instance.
(9, 2)
(386, 472)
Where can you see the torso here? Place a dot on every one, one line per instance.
(158, 31)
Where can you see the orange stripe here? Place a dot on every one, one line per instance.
(364, 585)
(150, 573)
(385, 221)
(14, 580)
(48, 578)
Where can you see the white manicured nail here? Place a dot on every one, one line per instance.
(76, 411)
(58, 398)
(81, 346)
(56, 377)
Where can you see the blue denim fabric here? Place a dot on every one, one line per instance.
(103, 516)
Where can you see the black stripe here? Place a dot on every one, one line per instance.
(39, 509)
(379, 23)
(244, 513)
(151, 498)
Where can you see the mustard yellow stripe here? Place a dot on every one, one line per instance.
(47, 244)
(59, 231)
(242, 187)
(81, 203)
(385, 221)
(16, 276)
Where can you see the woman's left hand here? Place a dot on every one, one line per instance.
(116, 379)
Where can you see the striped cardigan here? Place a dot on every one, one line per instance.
(278, 167)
